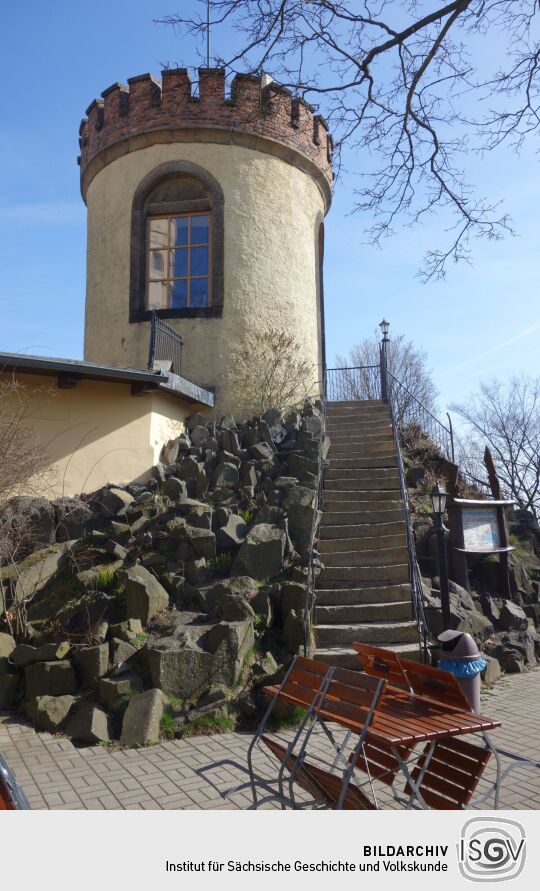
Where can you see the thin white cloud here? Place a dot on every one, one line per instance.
(44, 213)
(457, 369)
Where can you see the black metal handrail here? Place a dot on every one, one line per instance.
(361, 382)
(165, 345)
(414, 571)
(309, 602)
(412, 411)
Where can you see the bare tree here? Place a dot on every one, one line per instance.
(22, 456)
(409, 83)
(411, 378)
(506, 417)
(270, 374)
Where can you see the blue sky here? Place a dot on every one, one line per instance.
(483, 321)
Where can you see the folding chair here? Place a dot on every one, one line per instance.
(348, 700)
(382, 663)
(304, 684)
(324, 786)
(453, 770)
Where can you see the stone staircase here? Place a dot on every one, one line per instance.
(363, 593)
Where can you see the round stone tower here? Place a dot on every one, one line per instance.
(209, 210)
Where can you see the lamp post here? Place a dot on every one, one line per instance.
(438, 497)
(384, 326)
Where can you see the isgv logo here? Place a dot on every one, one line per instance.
(491, 849)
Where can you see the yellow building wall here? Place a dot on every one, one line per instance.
(97, 432)
(273, 211)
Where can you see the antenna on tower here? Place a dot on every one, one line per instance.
(208, 4)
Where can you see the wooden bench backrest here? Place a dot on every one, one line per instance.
(304, 680)
(436, 684)
(350, 695)
(381, 663)
(452, 774)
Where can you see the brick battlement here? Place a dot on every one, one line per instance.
(149, 105)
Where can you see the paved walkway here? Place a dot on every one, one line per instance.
(186, 774)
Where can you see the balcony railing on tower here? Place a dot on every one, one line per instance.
(165, 351)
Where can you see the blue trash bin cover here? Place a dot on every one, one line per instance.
(463, 669)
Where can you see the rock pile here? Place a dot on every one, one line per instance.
(164, 597)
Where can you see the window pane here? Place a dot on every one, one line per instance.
(180, 230)
(199, 261)
(158, 264)
(180, 263)
(198, 292)
(158, 295)
(179, 293)
(199, 230)
(159, 233)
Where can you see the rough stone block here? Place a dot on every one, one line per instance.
(89, 724)
(145, 597)
(50, 679)
(91, 664)
(48, 712)
(142, 719)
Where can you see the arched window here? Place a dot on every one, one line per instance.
(177, 244)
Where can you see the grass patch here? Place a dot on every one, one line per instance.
(287, 722)
(105, 580)
(246, 515)
(259, 623)
(221, 562)
(139, 640)
(207, 725)
(248, 660)
(166, 725)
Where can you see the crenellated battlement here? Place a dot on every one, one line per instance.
(126, 117)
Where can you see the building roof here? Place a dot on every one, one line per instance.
(69, 371)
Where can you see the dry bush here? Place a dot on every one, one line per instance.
(271, 374)
(24, 465)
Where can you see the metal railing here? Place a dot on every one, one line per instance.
(165, 345)
(309, 603)
(348, 384)
(410, 411)
(414, 570)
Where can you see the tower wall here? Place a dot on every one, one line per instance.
(271, 159)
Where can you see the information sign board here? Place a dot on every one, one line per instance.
(481, 529)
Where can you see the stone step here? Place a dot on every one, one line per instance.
(359, 596)
(361, 474)
(375, 450)
(347, 451)
(359, 405)
(386, 556)
(353, 423)
(370, 427)
(358, 533)
(368, 632)
(357, 424)
(359, 613)
(364, 500)
(358, 576)
(369, 484)
(358, 517)
(346, 657)
(363, 543)
(386, 461)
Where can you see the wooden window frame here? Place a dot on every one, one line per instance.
(146, 204)
(171, 247)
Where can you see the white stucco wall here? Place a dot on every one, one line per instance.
(272, 215)
(97, 432)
